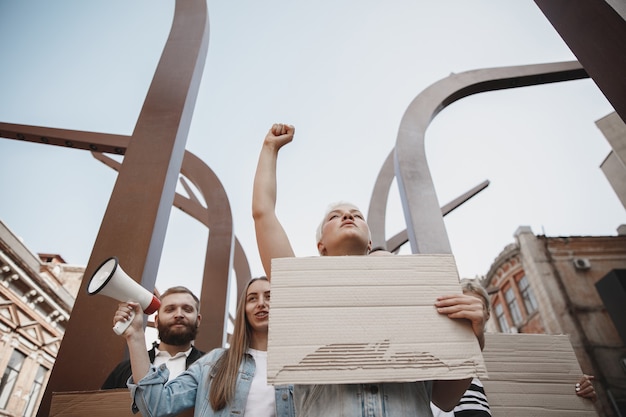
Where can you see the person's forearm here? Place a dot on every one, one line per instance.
(264, 188)
(139, 359)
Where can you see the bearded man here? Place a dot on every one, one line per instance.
(177, 322)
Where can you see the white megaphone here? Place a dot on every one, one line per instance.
(110, 280)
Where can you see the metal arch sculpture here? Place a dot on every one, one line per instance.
(147, 180)
(377, 209)
(211, 216)
(223, 248)
(425, 228)
(224, 252)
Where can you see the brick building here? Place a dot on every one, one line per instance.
(37, 293)
(547, 285)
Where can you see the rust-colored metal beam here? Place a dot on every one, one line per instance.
(134, 224)
(74, 139)
(216, 216)
(596, 34)
(219, 254)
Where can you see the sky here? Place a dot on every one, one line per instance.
(343, 73)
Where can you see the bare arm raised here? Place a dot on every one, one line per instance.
(272, 240)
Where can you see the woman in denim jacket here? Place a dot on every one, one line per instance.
(221, 383)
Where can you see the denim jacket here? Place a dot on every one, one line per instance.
(364, 400)
(154, 397)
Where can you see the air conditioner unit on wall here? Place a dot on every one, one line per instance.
(582, 263)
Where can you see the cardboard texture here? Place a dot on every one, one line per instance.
(533, 375)
(108, 403)
(359, 319)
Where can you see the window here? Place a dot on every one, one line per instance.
(10, 377)
(504, 325)
(35, 391)
(527, 295)
(511, 302)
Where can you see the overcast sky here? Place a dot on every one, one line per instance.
(342, 72)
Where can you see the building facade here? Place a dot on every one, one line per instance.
(547, 285)
(37, 293)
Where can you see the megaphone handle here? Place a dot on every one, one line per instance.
(121, 326)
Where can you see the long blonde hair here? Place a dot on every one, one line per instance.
(224, 383)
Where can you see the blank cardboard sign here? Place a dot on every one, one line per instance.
(533, 375)
(353, 319)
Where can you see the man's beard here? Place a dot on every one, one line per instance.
(177, 337)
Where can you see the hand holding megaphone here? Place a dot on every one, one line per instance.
(111, 280)
(125, 316)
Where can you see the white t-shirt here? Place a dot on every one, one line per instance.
(261, 398)
(438, 412)
(176, 364)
